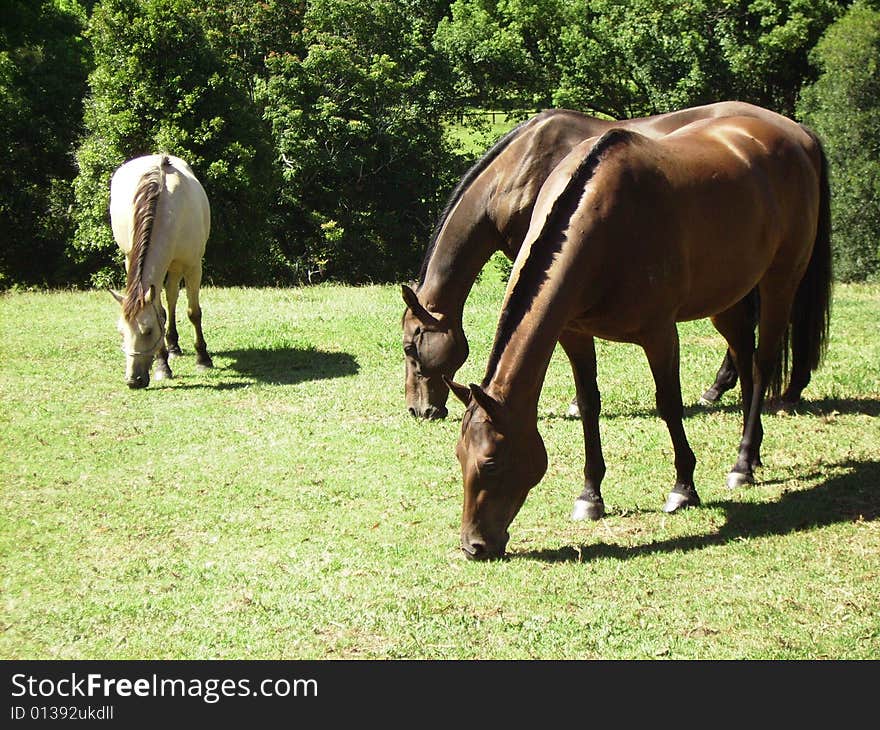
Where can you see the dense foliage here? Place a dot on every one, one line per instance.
(842, 106)
(318, 127)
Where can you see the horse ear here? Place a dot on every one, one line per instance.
(150, 295)
(462, 392)
(411, 299)
(486, 402)
(117, 296)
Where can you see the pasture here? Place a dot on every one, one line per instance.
(285, 506)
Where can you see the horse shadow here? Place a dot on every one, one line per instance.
(848, 497)
(289, 365)
(822, 407)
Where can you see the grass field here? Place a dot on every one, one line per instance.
(285, 505)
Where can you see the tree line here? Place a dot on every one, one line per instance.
(319, 127)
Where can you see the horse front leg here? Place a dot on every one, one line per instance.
(162, 370)
(172, 291)
(581, 353)
(663, 356)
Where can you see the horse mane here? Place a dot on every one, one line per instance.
(145, 202)
(466, 181)
(548, 243)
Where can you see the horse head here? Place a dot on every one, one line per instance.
(433, 349)
(501, 459)
(143, 331)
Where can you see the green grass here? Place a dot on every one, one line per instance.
(284, 505)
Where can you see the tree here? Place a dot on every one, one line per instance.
(159, 84)
(843, 107)
(356, 109)
(43, 68)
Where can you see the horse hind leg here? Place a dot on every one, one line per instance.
(662, 350)
(193, 280)
(728, 373)
(737, 327)
(771, 330)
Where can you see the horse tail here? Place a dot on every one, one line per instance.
(807, 339)
(144, 204)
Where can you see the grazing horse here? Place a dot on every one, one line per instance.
(161, 220)
(489, 211)
(630, 235)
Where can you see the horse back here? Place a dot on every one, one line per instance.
(682, 226)
(182, 214)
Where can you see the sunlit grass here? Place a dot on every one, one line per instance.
(285, 505)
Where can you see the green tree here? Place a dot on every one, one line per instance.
(843, 107)
(626, 58)
(356, 108)
(504, 53)
(160, 84)
(43, 69)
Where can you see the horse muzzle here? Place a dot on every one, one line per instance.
(478, 547)
(430, 413)
(136, 382)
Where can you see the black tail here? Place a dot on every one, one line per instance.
(811, 312)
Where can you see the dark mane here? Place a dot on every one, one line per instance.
(463, 185)
(548, 243)
(146, 198)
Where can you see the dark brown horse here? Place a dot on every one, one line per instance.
(489, 211)
(628, 236)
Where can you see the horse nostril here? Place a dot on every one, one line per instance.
(412, 412)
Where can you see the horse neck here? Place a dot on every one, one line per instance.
(527, 343)
(465, 243)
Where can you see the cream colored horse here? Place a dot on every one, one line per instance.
(161, 220)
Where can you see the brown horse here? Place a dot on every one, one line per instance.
(489, 211)
(630, 235)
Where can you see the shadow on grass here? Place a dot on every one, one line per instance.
(289, 365)
(823, 407)
(845, 498)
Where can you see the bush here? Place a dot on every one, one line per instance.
(843, 107)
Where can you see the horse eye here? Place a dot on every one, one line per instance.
(490, 468)
(148, 332)
(410, 350)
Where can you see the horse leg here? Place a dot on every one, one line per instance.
(581, 353)
(172, 290)
(737, 327)
(771, 329)
(799, 378)
(663, 356)
(193, 280)
(727, 374)
(725, 379)
(162, 370)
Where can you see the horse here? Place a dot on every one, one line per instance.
(630, 235)
(489, 210)
(161, 220)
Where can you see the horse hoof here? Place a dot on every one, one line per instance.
(174, 352)
(204, 365)
(677, 500)
(573, 411)
(704, 401)
(736, 479)
(584, 510)
(162, 375)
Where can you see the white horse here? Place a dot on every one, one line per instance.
(161, 220)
